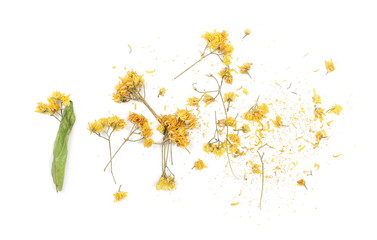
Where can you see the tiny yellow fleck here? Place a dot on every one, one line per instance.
(235, 204)
(336, 156)
(113, 67)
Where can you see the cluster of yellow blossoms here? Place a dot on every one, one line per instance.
(166, 183)
(103, 125)
(176, 126)
(218, 42)
(142, 124)
(257, 113)
(56, 102)
(128, 87)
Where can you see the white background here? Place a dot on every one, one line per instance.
(71, 47)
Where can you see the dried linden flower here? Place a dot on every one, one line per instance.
(316, 98)
(301, 182)
(161, 92)
(208, 99)
(230, 97)
(148, 142)
(199, 165)
(119, 196)
(166, 183)
(335, 109)
(194, 102)
(277, 122)
(245, 68)
(226, 74)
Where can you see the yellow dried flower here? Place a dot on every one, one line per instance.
(128, 86)
(229, 121)
(95, 127)
(199, 165)
(319, 135)
(42, 108)
(301, 182)
(277, 122)
(329, 66)
(218, 42)
(226, 74)
(116, 123)
(234, 138)
(148, 142)
(142, 123)
(335, 109)
(208, 99)
(247, 31)
(230, 97)
(319, 113)
(245, 128)
(119, 196)
(316, 98)
(257, 113)
(255, 168)
(194, 102)
(166, 183)
(245, 68)
(162, 92)
(56, 102)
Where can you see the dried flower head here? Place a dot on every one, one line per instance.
(194, 102)
(316, 98)
(319, 113)
(199, 165)
(277, 122)
(142, 124)
(230, 97)
(176, 126)
(162, 92)
(166, 183)
(245, 68)
(226, 74)
(148, 142)
(128, 87)
(119, 196)
(218, 42)
(108, 125)
(208, 99)
(335, 109)
(56, 102)
(257, 113)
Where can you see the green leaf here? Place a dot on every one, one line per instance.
(61, 146)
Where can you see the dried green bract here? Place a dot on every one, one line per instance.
(61, 146)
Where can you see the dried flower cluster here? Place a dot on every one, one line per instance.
(55, 106)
